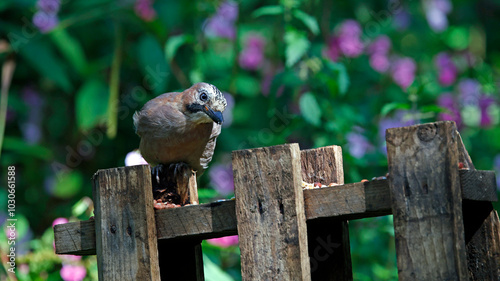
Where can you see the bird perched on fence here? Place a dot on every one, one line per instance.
(181, 127)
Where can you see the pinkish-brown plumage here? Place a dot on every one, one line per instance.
(181, 127)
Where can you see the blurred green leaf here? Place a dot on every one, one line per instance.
(457, 38)
(343, 76)
(213, 272)
(296, 46)
(268, 11)
(153, 64)
(310, 109)
(247, 85)
(80, 207)
(68, 184)
(70, 48)
(42, 57)
(387, 108)
(20, 146)
(308, 20)
(91, 104)
(174, 42)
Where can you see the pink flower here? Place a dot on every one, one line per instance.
(351, 46)
(222, 24)
(73, 272)
(59, 221)
(446, 68)
(224, 241)
(381, 45)
(403, 72)
(134, 158)
(252, 56)
(350, 27)
(379, 62)
(144, 9)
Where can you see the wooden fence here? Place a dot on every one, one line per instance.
(445, 225)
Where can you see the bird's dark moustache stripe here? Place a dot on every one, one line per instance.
(194, 107)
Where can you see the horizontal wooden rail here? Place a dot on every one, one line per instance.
(218, 219)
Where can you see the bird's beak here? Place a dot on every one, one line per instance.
(214, 115)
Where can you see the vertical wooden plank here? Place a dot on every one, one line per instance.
(482, 227)
(328, 241)
(270, 213)
(426, 202)
(182, 261)
(126, 245)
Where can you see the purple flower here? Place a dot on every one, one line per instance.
(448, 102)
(228, 112)
(221, 177)
(252, 56)
(435, 12)
(402, 20)
(333, 50)
(134, 158)
(357, 144)
(225, 241)
(350, 27)
(73, 272)
(446, 68)
(496, 166)
(484, 103)
(470, 91)
(31, 131)
(350, 45)
(381, 45)
(379, 62)
(228, 10)
(144, 9)
(403, 72)
(44, 21)
(222, 24)
(49, 6)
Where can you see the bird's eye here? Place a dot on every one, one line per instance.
(203, 96)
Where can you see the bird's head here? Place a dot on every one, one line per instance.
(205, 103)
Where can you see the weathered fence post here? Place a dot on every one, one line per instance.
(328, 240)
(182, 261)
(481, 223)
(427, 202)
(270, 213)
(126, 241)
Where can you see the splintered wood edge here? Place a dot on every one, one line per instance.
(218, 219)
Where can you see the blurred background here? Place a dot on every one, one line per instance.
(313, 72)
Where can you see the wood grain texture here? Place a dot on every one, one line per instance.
(328, 242)
(204, 221)
(270, 213)
(75, 238)
(218, 219)
(125, 225)
(426, 202)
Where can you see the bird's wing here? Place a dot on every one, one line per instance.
(206, 157)
(150, 120)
